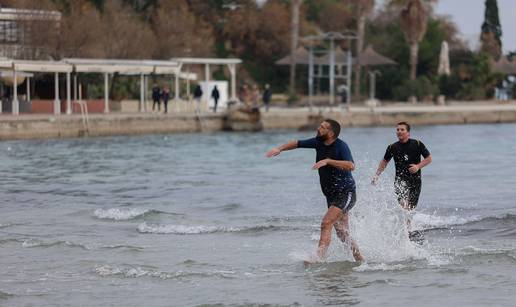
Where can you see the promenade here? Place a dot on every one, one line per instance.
(42, 126)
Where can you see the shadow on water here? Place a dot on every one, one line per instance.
(332, 283)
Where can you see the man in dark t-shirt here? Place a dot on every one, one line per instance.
(334, 164)
(407, 154)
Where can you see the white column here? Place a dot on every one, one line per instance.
(142, 94)
(207, 72)
(332, 72)
(146, 79)
(57, 103)
(106, 92)
(16, 104)
(28, 89)
(176, 87)
(232, 71)
(310, 76)
(75, 88)
(348, 81)
(68, 94)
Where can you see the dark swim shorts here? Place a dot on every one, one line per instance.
(344, 201)
(408, 191)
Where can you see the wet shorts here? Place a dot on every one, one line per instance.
(407, 191)
(344, 201)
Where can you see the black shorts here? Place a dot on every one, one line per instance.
(407, 191)
(344, 201)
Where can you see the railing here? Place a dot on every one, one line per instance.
(85, 119)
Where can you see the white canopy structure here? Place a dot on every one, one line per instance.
(107, 67)
(231, 63)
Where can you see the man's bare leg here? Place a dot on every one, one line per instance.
(342, 228)
(329, 219)
(405, 205)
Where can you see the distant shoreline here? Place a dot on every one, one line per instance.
(48, 126)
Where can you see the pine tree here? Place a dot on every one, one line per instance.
(491, 30)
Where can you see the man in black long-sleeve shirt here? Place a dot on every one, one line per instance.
(407, 154)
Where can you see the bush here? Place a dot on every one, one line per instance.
(422, 88)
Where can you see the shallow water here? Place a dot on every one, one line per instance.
(184, 220)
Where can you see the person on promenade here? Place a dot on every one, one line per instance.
(245, 96)
(215, 94)
(334, 164)
(267, 94)
(155, 97)
(255, 96)
(407, 154)
(166, 97)
(197, 97)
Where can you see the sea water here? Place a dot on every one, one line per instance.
(207, 219)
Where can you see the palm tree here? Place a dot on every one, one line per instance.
(413, 20)
(296, 4)
(363, 9)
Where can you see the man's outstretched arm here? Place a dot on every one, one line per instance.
(277, 150)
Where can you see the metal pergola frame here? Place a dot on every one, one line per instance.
(331, 37)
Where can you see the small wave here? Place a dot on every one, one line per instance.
(431, 221)
(123, 214)
(5, 225)
(372, 267)
(200, 229)
(36, 243)
(135, 272)
(124, 247)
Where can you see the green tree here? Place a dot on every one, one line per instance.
(491, 30)
(413, 20)
(363, 8)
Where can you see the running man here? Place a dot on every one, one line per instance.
(334, 163)
(407, 154)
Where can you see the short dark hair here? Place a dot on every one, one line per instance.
(404, 124)
(334, 126)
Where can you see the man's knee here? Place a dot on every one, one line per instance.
(326, 223)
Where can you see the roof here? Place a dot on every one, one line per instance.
(504, 66)
(214, 61)
(369, 58)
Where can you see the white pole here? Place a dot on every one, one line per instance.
(348, 81)
(68, 94)
(28, 89)
(310, 76)
(142, 94)
(106, 92)
(332, 72)
(146, 92)
(15, 105)
(176, 85)
(232, 71)
(57, 103)
(75, 89)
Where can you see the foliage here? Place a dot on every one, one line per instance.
(491, 30)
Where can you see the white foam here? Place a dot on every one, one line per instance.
(367, 267)
(120, 214)
(183, 229)
(425, 221)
